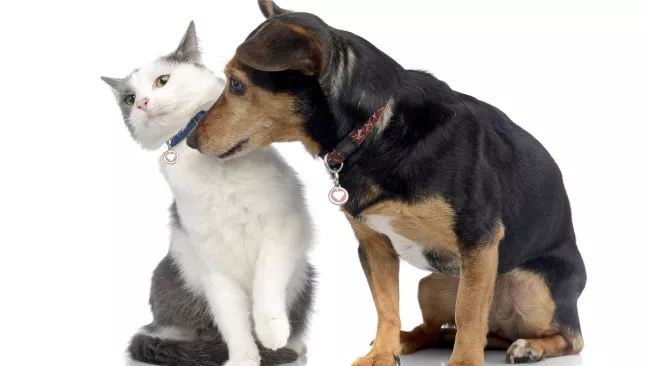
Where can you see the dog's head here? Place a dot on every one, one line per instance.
(272, 87)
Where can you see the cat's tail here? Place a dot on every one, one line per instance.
(158, 350)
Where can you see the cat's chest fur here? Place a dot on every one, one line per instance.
(221, 207)
(210, 192)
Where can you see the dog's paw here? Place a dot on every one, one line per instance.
(416, 340)
(521, 351)
(273, 331)
(375, 359)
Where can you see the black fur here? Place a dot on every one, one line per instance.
(438, 142)
(440, 262)
(363, 258)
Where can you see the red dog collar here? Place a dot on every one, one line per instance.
(352, 141)
(339, 195)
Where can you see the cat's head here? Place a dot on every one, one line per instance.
(159, 99)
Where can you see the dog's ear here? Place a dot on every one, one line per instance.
(278, 46)
(269, 8)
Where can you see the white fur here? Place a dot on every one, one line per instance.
(407, 249)
(245, 227)
(189, 90)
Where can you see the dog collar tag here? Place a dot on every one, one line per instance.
(338, 195)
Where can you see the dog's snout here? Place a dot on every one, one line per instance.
(193, 139)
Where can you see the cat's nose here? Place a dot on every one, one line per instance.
(142, 104)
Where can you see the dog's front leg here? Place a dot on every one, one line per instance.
(381, 265)
(476, 289)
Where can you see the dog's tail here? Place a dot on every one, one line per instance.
(153, 349)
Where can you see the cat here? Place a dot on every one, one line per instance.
(240, 231)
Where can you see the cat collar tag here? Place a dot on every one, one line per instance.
(338, 195)
(170, 157)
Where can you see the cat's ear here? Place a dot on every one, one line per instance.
(118, 85)
(188, 49)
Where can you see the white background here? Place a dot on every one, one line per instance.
(84, 210)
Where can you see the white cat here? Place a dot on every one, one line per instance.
(240, 231)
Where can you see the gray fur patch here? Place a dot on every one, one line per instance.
(176, 308)
(175, 217)
(187, 51)
(121, 89)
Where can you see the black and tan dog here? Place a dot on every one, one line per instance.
(445, 181)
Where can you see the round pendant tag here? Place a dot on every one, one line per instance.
(338, 196)
(170, 157)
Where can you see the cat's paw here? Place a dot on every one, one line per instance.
(252, 359)
(242, 362)
(273, 331)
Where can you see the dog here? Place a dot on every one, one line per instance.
(424, 173)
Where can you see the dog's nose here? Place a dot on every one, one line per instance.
(142, 104)
(193, 140)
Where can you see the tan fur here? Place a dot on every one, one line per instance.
(522, 310)
(473, 302)
(437, 299)
(576, 343)
(370, 193)
(524, 307)
(551, 346)
(382, 273)
(258, 115)
(429, 223)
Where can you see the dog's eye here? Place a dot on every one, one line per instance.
(236, 87)
(162, 80)
(129, 99)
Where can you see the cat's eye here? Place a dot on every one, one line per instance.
(162, 80)
(236, 86)
(129, 99)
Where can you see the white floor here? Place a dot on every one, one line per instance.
(440, 358)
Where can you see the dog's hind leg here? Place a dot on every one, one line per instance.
(527, 311)
(437, 297)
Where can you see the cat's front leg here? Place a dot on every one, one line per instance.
(230, 306)
(275, 267)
